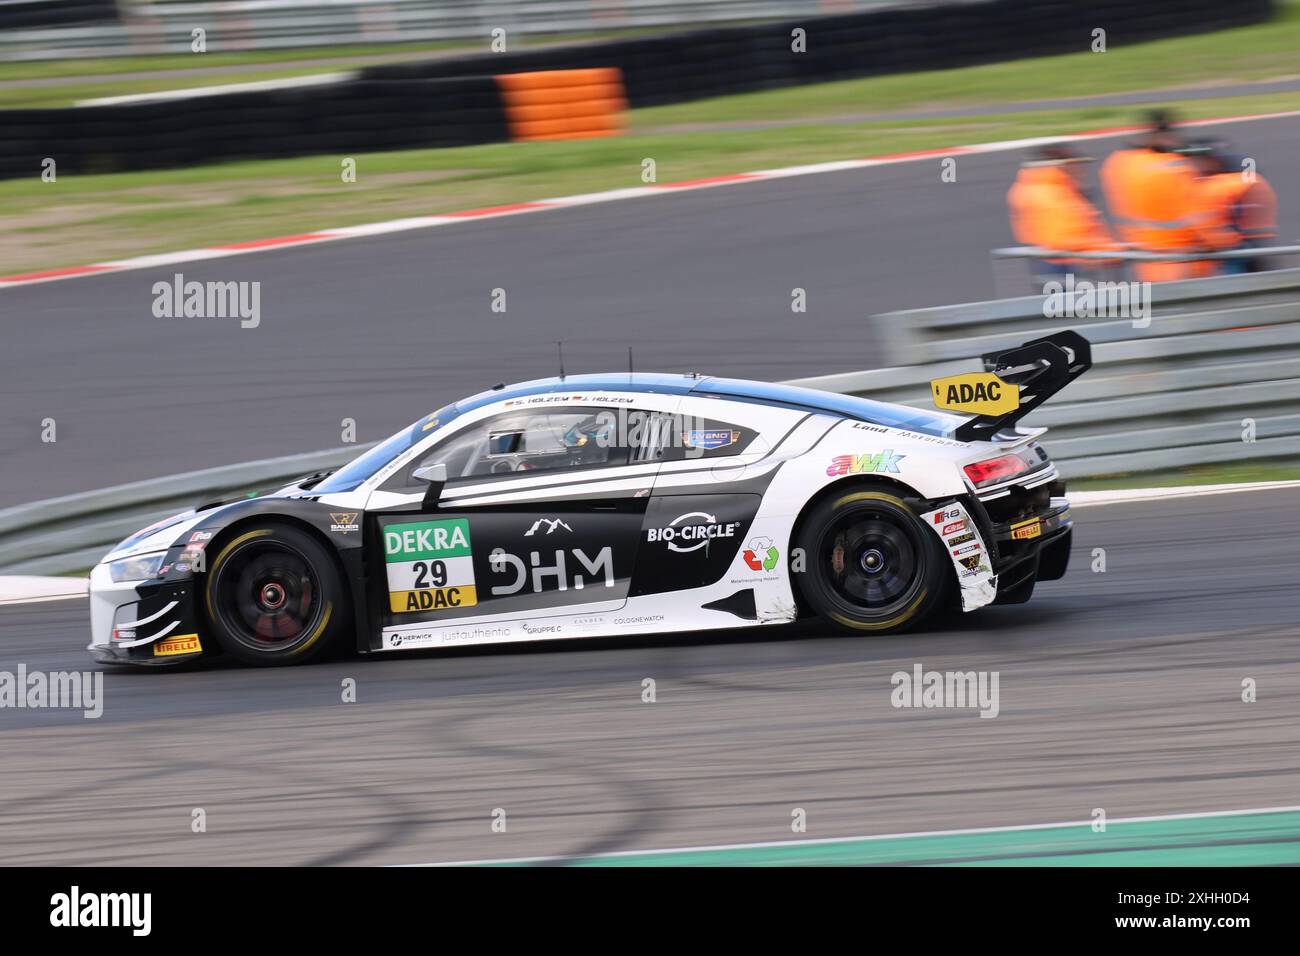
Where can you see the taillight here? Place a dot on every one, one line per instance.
(994, 470)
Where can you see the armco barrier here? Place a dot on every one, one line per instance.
(164, 27)
(454, 101)
(1175, 393)
(60, 535)
(1220, 358)
(38, 16)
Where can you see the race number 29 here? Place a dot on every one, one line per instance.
(430, 566)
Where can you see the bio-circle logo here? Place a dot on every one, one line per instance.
(694, 530)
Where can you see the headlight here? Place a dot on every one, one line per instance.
(139, 567)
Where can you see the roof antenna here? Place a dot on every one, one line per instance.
(560, 346)
(629, 361)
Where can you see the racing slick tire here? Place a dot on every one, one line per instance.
(870, 564)
(274, 596)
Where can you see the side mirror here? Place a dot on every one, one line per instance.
(436, 476)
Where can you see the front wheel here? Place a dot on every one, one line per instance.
(869, 562)
(274, 596)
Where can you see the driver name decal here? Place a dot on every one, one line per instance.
(430, 566)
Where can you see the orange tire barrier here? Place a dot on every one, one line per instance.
(563, 104)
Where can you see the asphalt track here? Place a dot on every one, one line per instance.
(385, 329)
(1119, 690)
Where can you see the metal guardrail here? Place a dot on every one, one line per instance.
(71, 533)
(1174, 393)
(153, 28)
(1138, 255)
(1217, 355)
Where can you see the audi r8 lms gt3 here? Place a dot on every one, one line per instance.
(598, 505)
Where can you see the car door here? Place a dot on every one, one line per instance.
(699, 516)
(540, 516)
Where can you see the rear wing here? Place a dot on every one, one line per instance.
(1040, 368)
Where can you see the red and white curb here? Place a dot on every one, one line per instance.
(585, 199)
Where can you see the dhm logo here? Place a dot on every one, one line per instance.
(863, 464)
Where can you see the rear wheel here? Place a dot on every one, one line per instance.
(274, 596)
(869, 562)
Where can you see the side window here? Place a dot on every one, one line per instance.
(691, 438)
(523, 442)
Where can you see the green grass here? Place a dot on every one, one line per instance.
(1226, 473)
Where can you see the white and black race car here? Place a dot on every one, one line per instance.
(598, 505)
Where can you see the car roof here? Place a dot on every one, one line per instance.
(849, 406)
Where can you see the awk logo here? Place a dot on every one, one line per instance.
(858, 464)
(761, 555)
(344, 521)
(552, 525)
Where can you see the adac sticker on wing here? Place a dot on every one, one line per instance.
(979, 393)
(430, 565)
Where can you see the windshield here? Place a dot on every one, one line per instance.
(351, 476)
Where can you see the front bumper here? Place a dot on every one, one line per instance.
(142, 622)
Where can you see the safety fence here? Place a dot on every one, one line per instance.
(1218, 362)
(139, 27)
(37, 17)
(457, 100)
(1121, 264)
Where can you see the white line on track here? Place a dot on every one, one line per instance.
(30, 589)
(1082, 499)
(831, 841)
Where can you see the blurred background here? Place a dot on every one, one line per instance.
(131, 130)
(387, 173)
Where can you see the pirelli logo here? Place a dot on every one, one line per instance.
(1027, 529)
(179, 644)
